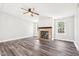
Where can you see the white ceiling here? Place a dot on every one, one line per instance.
(55, 10)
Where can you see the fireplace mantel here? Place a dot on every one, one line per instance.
(44, 27)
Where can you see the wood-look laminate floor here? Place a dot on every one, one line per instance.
(34, 47)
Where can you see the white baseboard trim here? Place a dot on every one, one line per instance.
(76, 45)
(15, 39)
(64, 40)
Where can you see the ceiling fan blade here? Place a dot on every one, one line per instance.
(25, 12)
(24, 9)
(35, 13)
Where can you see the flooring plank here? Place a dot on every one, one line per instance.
(34, 47)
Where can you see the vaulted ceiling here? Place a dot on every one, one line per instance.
(55, 10)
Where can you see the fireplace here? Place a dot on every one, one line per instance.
(45, 33)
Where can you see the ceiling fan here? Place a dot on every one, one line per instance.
(30, 11)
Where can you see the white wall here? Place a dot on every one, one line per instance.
(45, 21)
(69, 29)
(12, 27)
(35, 28)
(76, 31)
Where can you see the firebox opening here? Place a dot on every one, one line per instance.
(44, 34)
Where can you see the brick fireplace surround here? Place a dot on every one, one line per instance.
(45, 33)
